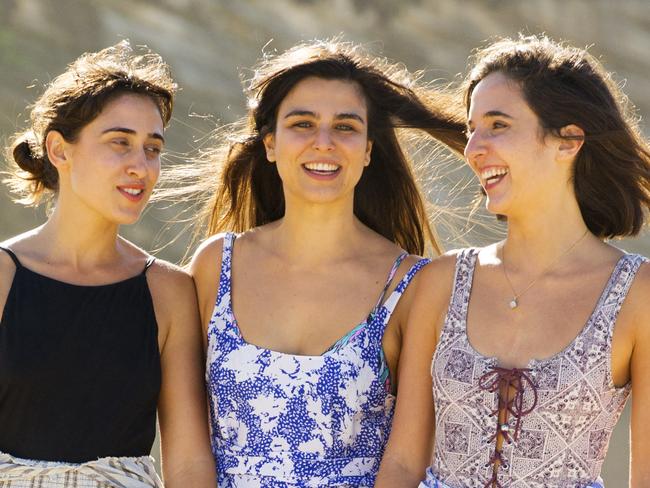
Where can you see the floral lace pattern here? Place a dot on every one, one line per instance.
(281, 420)
(562, 442)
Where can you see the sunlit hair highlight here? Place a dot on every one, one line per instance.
(73, 100)
(565, 85)
(247, 190)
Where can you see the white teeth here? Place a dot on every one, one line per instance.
(492, 172)
(132, 191)
(321, 166)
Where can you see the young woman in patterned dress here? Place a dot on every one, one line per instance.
(302, 351)
(96, 335)
(547, 332)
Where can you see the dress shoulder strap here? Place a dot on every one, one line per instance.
(463, 276)
(226, 265)
(618, 287)
(148, 263)
(386, 310)
(13, 256)
(390, 277)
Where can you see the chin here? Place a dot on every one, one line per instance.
(126, 218)
(498, 204)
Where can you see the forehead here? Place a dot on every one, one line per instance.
(497, 92)
(137, 112)
(322, 96)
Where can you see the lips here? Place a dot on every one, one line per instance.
(493, 175)
(132, 193)
(322, 169)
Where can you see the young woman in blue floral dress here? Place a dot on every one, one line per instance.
(304, 310)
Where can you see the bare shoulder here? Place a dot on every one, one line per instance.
(172, 290)
(207, 258)
(169, 278)
(7, 265)
(439, 273)
(637, 300)
(7, 271)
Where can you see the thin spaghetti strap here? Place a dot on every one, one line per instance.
(226, 260)
(391, 275)
(13, 257)
(148, 263)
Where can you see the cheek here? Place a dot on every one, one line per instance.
(154, 170)
(287, 141)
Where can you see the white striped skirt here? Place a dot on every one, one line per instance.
(109, 472)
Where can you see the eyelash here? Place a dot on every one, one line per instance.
(496, 125)
(308, 125)
(125, 143)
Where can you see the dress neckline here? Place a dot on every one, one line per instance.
(534, 362)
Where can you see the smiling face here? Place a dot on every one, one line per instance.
(516, 163)
(320, 144)
(114, 163)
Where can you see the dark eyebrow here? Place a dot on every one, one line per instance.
(497, 113)
(300, 113)
(350, 116)
(309, 113)
(153, 135)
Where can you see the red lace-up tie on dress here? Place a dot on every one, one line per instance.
(503, 380)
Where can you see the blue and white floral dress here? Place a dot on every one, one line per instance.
(281, 420)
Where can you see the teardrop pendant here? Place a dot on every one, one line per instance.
(513, 303)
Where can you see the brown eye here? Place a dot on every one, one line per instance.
(345, 128)
(303, 124)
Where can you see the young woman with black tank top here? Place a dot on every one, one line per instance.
(539, 339)
(96, 335)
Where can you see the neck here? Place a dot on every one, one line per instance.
(79, 238)
(536, 239)
(313, 235)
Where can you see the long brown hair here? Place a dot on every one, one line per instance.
(386, 199)
(565, 85)
(73, 100)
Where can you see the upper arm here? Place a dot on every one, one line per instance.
(639, 367)
(408, 451)
(182, 409)
(205, 269)
(7, 272)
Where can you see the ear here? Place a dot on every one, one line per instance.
(56, 147)
(366, 160)
(572, 138)
(269, 145)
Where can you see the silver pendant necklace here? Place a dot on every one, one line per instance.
(514, 302)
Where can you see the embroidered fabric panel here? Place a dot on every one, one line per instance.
(280, 420)
(563, 441)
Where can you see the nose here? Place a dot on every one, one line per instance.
(475, 147)
(323, 140)
(139, 165)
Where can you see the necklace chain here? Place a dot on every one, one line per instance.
(514, 302)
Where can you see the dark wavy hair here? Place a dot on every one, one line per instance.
(73, 100)
(386, 199)
(565, 85)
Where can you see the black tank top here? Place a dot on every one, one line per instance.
(79, 368)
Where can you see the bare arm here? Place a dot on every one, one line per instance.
(410, 445)
(186, 455)
(205, 269)
(7, 272)
(639, 369)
